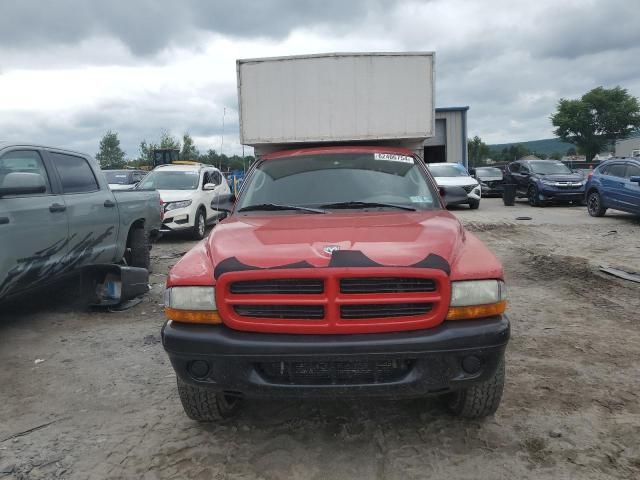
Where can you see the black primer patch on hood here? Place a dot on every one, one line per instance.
(232, 264)
(340, 258)
(351, 258)
(434, 261)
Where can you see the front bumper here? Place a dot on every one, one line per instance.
(404, 364)
(177, 220)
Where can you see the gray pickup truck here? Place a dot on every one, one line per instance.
(58, 216)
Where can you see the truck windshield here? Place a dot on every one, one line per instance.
(549, 168)
(171, 180)
(341, 181)
(117, 177)
(453, 170)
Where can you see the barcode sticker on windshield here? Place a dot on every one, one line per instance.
(392, 157)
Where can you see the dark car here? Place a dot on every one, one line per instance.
(545, 181)
(614, 184)
(491, 180)
(123, 179)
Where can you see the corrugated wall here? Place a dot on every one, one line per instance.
(454, 135)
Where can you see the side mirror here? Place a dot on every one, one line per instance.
(223, 202)
(22, 183)
(209, 186)
(635, 179)
(472, 172)
(443, 191)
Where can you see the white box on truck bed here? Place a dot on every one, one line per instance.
(336, 97)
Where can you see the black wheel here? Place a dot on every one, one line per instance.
(139, 248)
(474, 204)
(480, 400)
(594, 204)
(532, 196)
(200, 225)
(204, 405)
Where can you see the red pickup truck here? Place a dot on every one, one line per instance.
(338, 273)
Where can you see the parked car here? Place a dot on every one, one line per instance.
(187, 189)
(58, 216)
(491, 180)
(545, 181)
(455, 175)
(614, 184)
(123, 179)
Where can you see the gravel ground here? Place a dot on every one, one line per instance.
(91, 395)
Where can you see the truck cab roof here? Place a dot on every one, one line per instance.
(337, 149)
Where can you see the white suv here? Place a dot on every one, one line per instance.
(187, 190)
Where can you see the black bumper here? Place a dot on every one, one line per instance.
(418, 363)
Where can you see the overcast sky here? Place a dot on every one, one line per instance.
(72, 69)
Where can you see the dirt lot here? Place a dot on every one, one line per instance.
(86, 395)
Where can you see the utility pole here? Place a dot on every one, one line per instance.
(224, 112)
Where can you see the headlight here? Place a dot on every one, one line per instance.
(191, 304)
(174, 205)
(477, 299)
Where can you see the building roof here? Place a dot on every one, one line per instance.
(452, 109)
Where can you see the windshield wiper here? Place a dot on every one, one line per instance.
(354, 204)
(276, 206)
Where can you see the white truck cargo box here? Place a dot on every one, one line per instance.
(337, 97)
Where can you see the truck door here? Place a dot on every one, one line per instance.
(631, 192)
(92, 211)
(33, 226)
(613, 182)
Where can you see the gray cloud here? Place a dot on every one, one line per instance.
(509, 61)
(147, 26)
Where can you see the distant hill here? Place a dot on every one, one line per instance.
(546, 146)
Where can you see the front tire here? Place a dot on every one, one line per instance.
(533, 196)
(594, 204)
(199, 227)
(203, 405)
(474, 204)
(139, 249)
(479, 400)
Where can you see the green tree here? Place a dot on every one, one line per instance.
(189, 150)
(110, 155)
(478, 151)
(597, 119)
(168, 141)
(555, 156)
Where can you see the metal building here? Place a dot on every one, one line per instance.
(629, 147)
(449, 144)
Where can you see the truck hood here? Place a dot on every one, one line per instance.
(455, 181)
(567, 177)
(387, 238)
(175, 195)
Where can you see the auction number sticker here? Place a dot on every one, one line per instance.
(392, 157)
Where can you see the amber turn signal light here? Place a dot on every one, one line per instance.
(193, 316)
(476, 311)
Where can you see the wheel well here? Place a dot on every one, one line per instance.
(591, 190)
(135, 225)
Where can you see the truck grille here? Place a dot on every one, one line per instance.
(386, 285)
(307, 312)
(278, 286)
(335, 373)
(381, 310)
(333, 300)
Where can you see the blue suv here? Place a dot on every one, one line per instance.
(545, 181)
(614, 184)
